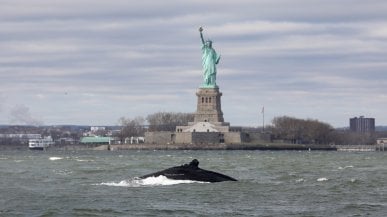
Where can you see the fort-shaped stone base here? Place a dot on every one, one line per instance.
(204, 127)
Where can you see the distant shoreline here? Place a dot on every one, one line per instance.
(262, 147)
(279, 147)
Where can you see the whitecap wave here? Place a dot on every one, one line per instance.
(63, 172)
(55, 158)
(150, 181)
(346, 167)
(353, 180)
(82, 160)
(322, 179)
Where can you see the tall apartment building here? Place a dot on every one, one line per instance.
(362, 124)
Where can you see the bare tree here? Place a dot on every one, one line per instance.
(131, 127)
(297, 130)
(167, 121)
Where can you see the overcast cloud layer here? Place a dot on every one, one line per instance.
(94, 61)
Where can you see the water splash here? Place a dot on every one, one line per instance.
(150, 181)
(322, 179)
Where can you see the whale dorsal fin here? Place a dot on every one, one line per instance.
(194, 163)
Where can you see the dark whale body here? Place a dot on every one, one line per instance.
(191, 171)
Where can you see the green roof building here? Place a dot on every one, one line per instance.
(95, 140)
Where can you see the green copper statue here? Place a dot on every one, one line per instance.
(209, 60)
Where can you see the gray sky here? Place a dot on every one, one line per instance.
(94, 61)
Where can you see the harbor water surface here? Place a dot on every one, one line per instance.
(281, 183)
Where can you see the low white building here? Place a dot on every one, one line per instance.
(134, 140)
(381, 141)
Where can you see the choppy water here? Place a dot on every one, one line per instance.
(102, 183)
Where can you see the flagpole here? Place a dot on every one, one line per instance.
(263, 119)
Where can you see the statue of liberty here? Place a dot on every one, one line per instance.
(209, 60)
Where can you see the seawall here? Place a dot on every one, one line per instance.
(273, 147)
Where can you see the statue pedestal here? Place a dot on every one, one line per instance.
(209, 106)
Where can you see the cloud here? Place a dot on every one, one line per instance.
(2, 102)
(93, 61)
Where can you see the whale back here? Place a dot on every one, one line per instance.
(191, 171)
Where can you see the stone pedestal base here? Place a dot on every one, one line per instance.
(208, 105)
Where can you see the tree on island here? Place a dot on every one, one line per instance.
(167, 121)
(299, 131)
(309, 131)
(159, 121)
(131, 127)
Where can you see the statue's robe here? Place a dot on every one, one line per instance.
(209, 60)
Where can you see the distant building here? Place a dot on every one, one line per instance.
(95, 129)
(362, 124)
(134, 140)
(18, 137)
(381, 141)
(21, 136)
(98, 140)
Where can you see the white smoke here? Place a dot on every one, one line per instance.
(20, 114)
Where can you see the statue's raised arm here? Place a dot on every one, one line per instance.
(209, 60)
(201, 34)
